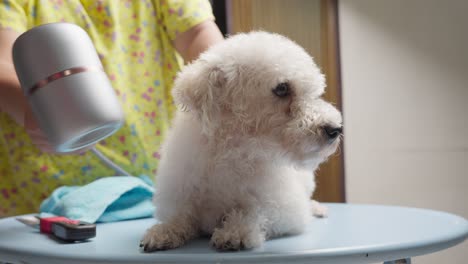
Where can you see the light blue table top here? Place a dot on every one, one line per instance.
(351, 234)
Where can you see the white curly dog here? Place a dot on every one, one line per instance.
(238, 163)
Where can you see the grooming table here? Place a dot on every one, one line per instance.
(351, 234)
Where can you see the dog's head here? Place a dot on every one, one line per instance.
(262, 85)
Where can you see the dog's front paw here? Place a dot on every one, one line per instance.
(319, 210)
(161, 237)
(225, 241)
(234, 240)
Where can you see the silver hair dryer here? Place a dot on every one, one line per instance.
(65, 84)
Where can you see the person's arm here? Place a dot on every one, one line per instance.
(194, 41)
(12, 100)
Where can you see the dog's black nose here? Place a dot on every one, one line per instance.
(333, 132)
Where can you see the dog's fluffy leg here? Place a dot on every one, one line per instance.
(319, 210)
(168, 235)
(239, 230)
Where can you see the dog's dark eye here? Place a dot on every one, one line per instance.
(282, 90)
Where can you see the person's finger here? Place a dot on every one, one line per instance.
(48, 150)
(37, 132)
(42, 143)
(39, 140)
(45, 148)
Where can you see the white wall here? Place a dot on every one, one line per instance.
(405, 104)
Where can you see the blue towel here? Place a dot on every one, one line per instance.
(107, 199)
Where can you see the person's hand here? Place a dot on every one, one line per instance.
(37, 136)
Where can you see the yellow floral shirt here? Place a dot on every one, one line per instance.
(134, 42)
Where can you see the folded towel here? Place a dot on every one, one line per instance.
(107, 199)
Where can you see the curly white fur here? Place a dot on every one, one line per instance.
(238, 163)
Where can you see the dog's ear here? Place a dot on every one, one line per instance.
(195, 89)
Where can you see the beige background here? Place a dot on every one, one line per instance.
(405, 99)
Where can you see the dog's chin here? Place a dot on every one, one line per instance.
(313, 155)
(329, 148)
